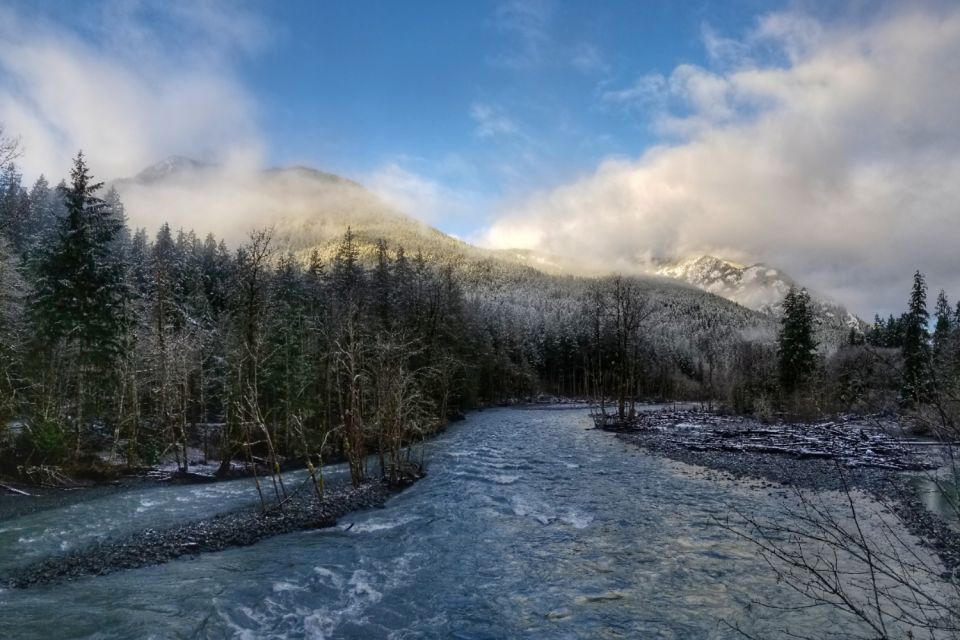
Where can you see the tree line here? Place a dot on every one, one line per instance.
(110, 340)
(148, 347)
(121, 347)
(155, 346)
(909, 364)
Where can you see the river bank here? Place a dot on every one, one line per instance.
(828, 456)
(243, 527)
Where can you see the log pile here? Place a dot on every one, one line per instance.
(850, 443)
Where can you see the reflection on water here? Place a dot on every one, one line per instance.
(528, 526)
(940, 491)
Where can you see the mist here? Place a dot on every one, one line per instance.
(136, 96)
(301, 205)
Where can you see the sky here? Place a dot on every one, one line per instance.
(817, 136)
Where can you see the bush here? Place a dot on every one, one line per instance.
(43, 441)
(149, 450)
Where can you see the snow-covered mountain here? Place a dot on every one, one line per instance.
(169, 168)
(759, 286)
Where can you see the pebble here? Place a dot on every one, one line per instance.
(238, 528)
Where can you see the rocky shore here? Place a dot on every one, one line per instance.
(300, 512)
(828, 456)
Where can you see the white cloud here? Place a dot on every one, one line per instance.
(132, 94)
(416, 195)
(587, 58)
(838, 159)
(524, 25)
(491, 121)
(649, 91)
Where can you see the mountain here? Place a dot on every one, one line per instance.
(310, 210)
(759, 286)
(306, 208)
(169, 168)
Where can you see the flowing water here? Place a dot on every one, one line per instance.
(529, 525)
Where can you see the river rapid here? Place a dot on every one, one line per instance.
(529, 525)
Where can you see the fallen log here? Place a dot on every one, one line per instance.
(14, 490)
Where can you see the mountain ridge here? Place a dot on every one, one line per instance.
(310, 210)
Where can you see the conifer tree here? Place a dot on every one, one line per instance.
(12, 292)
(14, 210)
(347, 272)
(381, 288)
(796, 346)
(916, 350)
(877, 335)
(45, 210)
(80, 294)
(944, 323)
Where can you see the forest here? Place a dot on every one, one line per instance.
(120, 349)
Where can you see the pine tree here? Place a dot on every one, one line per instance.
(797, 348)
(944, 324)
(12, 292)
(81, 292)
(916, 351)
(46, 208)
(14, 210)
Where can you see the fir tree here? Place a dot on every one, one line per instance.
(796, 346)
(81, 289)
(80, 295)
(876, 337)
(944, 324)
(14, 210)
(12, 291)
(381, 286)
(347, 273)
(916, 352)
(45, 210)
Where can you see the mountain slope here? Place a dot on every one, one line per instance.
(759, 286)
(307, 209)
(310, 211)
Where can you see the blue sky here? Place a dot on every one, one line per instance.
(482, 100)
(489, 98)
(821, 137)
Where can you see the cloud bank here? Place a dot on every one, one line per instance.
(126, 91)
(831, 150)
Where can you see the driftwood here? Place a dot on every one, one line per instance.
(13, 490)
(850, 443)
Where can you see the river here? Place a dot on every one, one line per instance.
(529, 525)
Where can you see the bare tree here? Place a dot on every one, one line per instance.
(10, 147)
(402, 409)
(838, 552)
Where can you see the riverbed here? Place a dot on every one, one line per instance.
(530, 524)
